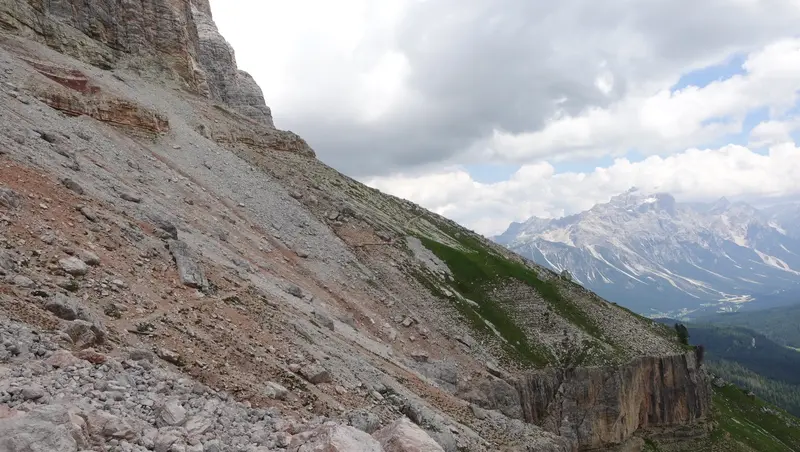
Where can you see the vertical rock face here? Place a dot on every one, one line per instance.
(226, 83)
(603, 406)
(173, 38)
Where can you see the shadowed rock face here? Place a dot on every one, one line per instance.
(602, 406)
(172, 38)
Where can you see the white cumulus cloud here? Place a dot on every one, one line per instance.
(537, 190)
(665, 121)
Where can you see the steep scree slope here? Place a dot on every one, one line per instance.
(149, 223)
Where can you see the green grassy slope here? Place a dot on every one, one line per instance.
(741, 423)
(478, 267)
(781, 324)
(779, 393)
(750, 424)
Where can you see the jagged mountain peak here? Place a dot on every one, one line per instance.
(639, 201)
(720, 205)
(680, 255)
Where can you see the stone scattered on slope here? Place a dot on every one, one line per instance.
(364, 420)
(171, 357)
(23, 281)
(294, 290)
(50, 137)
(275, 391)
(131, 406)
(89, 258)
(172, 414)
(9, 199)
(72, 185)
(84, 334)
(166, 230)
(140, 354)
(315, 374)
(420, 356)
(62, 358)
(73, 266)
(189, 270)
(88, 213)
(7, 262)
(130, 197)
(403, 435)
(33, 392)
(66, 308)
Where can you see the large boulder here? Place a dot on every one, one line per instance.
(332, 437)
(52, 428)
(189, 270)
(316, 374)
(403, 435)
(433, 423)
(73, 266)
(85, 334)
(106, 425)
(67, 308)
(8, 263)
(9, 199)
(172, 414)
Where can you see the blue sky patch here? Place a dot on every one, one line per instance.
(491, 173)
(707, 75)
(585, 165)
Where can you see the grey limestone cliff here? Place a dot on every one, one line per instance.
(599, 407)
(160, 38)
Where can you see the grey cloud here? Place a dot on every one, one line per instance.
(484, 64)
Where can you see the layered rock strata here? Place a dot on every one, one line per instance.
(603, 406)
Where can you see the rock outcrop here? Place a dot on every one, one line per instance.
(189, 271)
(156, 38)
(102, 107)
(601, 406)
(225, 82)
(404, 436)
(334, 438)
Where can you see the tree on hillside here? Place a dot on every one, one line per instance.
(683, 333)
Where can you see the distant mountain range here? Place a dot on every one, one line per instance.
(664, 258)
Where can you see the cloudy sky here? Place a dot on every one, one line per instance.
(491, 111)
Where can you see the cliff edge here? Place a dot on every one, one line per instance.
(605, 406)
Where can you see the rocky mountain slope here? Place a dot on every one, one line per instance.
(178, 275)
(657, 256)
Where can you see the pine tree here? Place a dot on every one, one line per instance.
(683, 333)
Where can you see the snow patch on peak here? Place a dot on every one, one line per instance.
(777, 227)
(775, 262)
(649, 252)
(558, 236)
